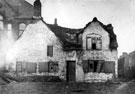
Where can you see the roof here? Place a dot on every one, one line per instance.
(22, 8)
(108, 28)
(65, 34)
(5, 10)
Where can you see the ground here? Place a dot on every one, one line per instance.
(12, 84)
(68, 88)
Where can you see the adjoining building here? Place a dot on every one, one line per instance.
(86, 54)
(126, 65)
(15, 15)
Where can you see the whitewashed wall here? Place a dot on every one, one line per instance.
(104, 54)
(32, 46)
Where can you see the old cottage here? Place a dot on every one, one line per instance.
(86, 54)
(98, 57)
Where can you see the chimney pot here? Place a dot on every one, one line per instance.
(55, 21)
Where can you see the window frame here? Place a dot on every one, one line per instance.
(20, 29)
(9, 27)
(50, 47)
(95, 66)
(97, 39)
(53, 66)
(2, 20)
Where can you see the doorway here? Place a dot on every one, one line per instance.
(70, 75)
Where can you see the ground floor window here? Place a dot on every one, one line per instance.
(53, 67)
(31, 67)
(98, 66)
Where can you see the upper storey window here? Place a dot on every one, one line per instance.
(93, 42)
(9, 30)
(22, 27)
(50, 50)
(1, 23)
(9, 27)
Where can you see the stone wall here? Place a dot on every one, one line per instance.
(128, 61)
(32, 47)
(104, 54)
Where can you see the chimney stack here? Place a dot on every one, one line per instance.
(55, 21)
(37, 9)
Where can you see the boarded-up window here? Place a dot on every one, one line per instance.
(109, 67)
(31, 67)
(85, 66)
(98, 43)
(50, 50)
(100, 66)
(24, 67)
(19, 66)
(43, 67)
(92, 66)
(53, 67)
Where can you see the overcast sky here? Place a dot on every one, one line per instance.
(77, 13)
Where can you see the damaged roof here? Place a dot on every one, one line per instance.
(69, 36)
(109, 29)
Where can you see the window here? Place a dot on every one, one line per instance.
(1, 23)
(99, 43)
(9, 30)
(93, 66)
(22, 27)
(94, 43)
(50, 50)
(53, 67)
(29, 67)
(89, 43)
(43, 67)
(9, 27)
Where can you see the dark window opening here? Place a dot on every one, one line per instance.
(93, 46)
(93, 66)
(50, 50)
(94, 43)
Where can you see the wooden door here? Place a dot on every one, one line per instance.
(70, 71)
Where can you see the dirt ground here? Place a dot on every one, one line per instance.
(10, 84)
(68, 88)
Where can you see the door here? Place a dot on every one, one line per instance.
(70, 71)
